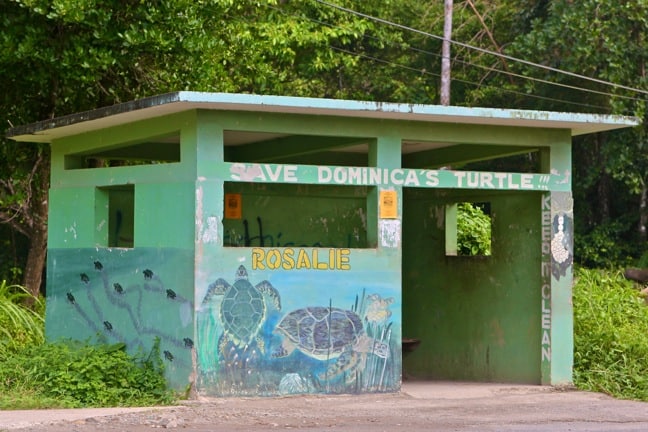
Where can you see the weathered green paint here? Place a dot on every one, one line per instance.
(72, 222)
(164, 215)
(221, 298)
(450, 225)
(336, 158)
(478, 318)
(361, 128)
(562, 317)
(108, 295)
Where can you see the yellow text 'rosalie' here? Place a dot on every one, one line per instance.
(300, 259)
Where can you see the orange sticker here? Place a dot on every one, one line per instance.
(233, 207)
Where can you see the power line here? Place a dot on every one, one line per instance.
(540, 80)
(491, 69)
(424, 72)
(504, 56)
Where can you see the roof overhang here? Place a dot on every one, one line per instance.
(170, 103)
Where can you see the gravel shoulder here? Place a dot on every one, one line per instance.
(420, 406)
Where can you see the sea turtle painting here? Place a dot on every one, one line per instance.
(243, 309)
(325, 333)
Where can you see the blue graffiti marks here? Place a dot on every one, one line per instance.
(114, 299)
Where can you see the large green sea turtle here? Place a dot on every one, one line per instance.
(325, 333)
(243, 308)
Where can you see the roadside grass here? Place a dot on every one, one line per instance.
(67, 374)
(610, 352)
(610, 335)
(20, 326)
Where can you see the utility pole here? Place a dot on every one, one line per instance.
(445, 54)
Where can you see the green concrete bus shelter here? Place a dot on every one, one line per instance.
(278, 245)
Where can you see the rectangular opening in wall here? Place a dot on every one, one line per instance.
(468, 228)
(158, 150)
(283, 148)
(285, 215)
(121, 215)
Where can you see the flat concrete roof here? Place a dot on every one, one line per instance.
(48, 130)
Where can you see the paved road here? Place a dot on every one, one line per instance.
(421, 406)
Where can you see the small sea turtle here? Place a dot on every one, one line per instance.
(243, 309)
(327, 333)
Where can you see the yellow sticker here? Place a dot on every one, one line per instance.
(388, 204)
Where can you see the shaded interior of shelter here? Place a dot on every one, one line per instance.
(242, 146)
(464, 318)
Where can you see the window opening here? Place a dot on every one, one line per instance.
(121, 215)
(153, 151)
(283, 215)
(468, 229)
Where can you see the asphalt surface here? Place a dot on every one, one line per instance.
(420, 406)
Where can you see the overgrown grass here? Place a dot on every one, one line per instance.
(73, 374)
(34, 374)
(20, 326)
(610, 341)
(610, 335)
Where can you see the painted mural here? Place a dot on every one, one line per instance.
(562, 242)
(302, 331)
(133, 296)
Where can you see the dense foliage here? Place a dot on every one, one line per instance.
(71, 374)
(473, 230)
(34, 374)
(610, 328)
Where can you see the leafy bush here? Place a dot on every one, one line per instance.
(34, 374)
(20, 326)
(73, 374)
(605, 246)
(473, 230)
(610, 335)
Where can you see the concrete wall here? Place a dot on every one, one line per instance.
(130, 295)
(477, 317)
(328, 307)
(301, 291)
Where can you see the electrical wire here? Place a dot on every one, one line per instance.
(464, 45)
(540, 80)
(490, 69)
(455, 60)
(423, 72)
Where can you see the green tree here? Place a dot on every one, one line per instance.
(58, 57)
(604, 39)
(63, 56)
